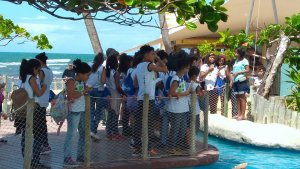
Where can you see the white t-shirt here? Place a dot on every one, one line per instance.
(194, 88)
(222, 72)
(110, 81)
(95, 79)
(146, 81)
(78, 105)
(180, 105)
(257, 82)
(48, 77)
(28, 88)
(211, 77)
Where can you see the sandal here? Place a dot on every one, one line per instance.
(235, 117)
(3, 141)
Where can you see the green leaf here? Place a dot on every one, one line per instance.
(191, 25)
(129, 2)
(212, 27)
(180, 20)
(219, 2)
(191, 1)
(153, 4)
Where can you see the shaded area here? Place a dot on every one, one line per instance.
(105, 153)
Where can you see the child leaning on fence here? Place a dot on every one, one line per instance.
(29, 71)
(178, 107)
(76, 91)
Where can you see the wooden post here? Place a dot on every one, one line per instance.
(294, 119)
(29, 134)
(205, 135)
(193, 124)
(226, 100)
(281, 119)
(87, 154)
(145, 138)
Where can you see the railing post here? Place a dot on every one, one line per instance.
(87, 149)
(205, 135)
(29, 134)
(145, 139)
(193, 124)
(226, 100)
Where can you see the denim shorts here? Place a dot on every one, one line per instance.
(241, 87)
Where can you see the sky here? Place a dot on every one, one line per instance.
(68, 36)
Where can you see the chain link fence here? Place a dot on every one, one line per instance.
(106, 129)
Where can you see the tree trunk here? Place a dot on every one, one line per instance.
(89, 23)
(165, 33)
(273, 66)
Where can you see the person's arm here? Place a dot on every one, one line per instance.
(135, 82)
(35, 88)
(71, 92)
(158, 68)
(173, 92)
(118, 84)
(103, 76)
(41, 75)
(64, 74)
(247, 70)
(203, 74)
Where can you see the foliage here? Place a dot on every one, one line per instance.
(122, 11)
(9, 31)
(293, 100)
(229, 41)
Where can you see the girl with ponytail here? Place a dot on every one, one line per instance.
(29, 71)
(75, 120)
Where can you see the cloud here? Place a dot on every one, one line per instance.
(38, 28)
(39, 17)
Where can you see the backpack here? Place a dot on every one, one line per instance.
(128, 85)
(167, 86)
(59, 110)
(19, 99)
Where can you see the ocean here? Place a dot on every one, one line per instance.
(57, 62)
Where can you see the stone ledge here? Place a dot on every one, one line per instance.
(264, 135)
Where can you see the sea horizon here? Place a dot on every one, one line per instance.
(57, 62)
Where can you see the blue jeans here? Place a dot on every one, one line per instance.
(75, 120)
(178, 128)
(97, 107)
(165, 120)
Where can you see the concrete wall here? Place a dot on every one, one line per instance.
(273, 111)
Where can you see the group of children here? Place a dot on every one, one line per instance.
(120, 85)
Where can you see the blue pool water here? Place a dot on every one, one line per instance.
(232, 153)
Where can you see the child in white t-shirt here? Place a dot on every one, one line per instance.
(178, 105)
(145, 80)
(193, 74)
(258, 79)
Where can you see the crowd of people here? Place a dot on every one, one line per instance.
(119, 85)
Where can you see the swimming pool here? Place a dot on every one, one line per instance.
(232, 153)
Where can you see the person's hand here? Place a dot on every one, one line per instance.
(134, 97)
(211, 68)
(4, 116)
(44, 86)
(124, 97)
(234, 74)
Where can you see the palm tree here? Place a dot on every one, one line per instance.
(90, 26)
(165, 33)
